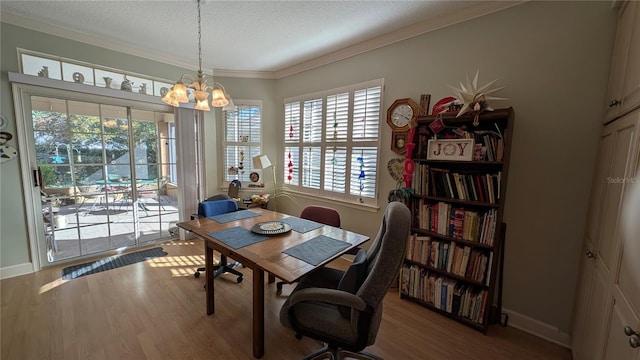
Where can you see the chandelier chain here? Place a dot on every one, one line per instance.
(199, 40)
(200, 86)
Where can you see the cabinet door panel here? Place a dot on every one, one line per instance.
(618, 156)
(619, 61)
(585, 281)
(617, 345)
(614, 186)
(631, 83)
(628, 279)
(582, 302)
(595, 318)
(598, 186)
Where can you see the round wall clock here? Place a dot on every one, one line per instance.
(401, 113)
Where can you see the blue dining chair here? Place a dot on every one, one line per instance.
(210, 208)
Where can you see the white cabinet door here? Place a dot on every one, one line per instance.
(592, 320)
(631, 83)
(624, 75)
(585, 288)
(618, 345)
(626, 285)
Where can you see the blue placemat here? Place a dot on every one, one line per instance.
(237, 237)
(233, 216)
(317, 250)
(301, 225)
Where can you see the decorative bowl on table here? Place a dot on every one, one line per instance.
(271, 228)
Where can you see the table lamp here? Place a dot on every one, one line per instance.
(262, 162)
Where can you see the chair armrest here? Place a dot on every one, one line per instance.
(330, 296)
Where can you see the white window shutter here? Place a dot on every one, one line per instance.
(243, 140)
(332, 140)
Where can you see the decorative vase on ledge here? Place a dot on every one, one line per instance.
(126, 84)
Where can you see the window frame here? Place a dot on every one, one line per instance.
(294, 107)
(248, 159)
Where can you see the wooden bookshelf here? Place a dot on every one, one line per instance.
(453, 261)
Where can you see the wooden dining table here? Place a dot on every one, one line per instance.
(264, 257)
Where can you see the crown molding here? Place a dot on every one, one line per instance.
(481, 8)
(108, 44)
(244, 74)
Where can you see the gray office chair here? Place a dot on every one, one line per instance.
(344, 309)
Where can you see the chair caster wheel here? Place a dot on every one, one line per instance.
(239, 279)
(196, 274)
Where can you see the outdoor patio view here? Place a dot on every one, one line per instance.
(107, 175)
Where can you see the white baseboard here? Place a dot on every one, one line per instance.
(538, 328)
(16, 270)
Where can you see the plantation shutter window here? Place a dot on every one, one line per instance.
(242, 139)
(332, 143)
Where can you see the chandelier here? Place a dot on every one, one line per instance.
(201, 85)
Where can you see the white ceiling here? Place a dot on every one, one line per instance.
(243, 38)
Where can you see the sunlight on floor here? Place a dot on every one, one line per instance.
(52, 285)
(173, 261)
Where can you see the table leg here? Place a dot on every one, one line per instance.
(258, 313)
(209, 275)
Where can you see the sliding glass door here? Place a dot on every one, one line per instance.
(105, 175)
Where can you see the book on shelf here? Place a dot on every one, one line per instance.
(463, 186)
(465, 260)
(446, 294)
(457, 260)
(450, 254)
(487, 278)
(438, 293)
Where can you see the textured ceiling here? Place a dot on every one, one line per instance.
(242, 36)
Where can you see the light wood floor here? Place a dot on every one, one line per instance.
(156, 310)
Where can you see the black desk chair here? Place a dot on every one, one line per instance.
(210, 208)
(344, 309)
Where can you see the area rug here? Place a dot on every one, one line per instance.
(113, 262)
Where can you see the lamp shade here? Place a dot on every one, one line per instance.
(180, 92)
(261, 162)
(202, 105)
(218, 99)
(170, 99)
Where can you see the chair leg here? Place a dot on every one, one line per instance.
(160, 202)
(143, 207)
(226, 267)
(325, 353)
(361, 355)
(223, 267)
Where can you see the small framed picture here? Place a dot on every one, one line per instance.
(450, 149)
(399, 140)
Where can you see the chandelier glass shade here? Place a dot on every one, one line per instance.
(201, 85)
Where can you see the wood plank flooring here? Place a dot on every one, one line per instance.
(156, 310)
